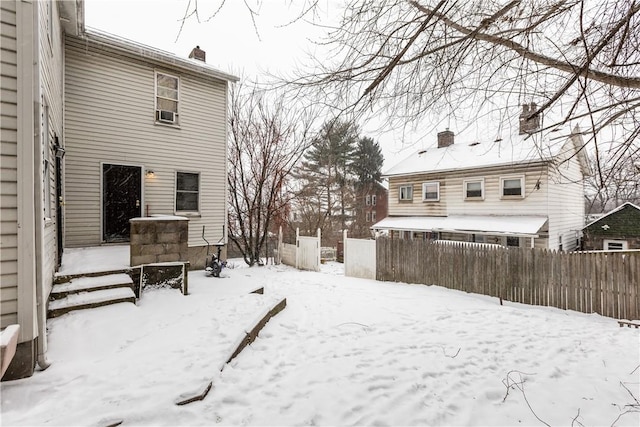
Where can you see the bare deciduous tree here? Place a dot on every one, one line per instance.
(413, 59)
(266, 140)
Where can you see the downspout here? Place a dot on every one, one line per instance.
(38, 226)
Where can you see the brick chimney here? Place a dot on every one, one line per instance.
(198, 54)
(529, 125)
(445, 138)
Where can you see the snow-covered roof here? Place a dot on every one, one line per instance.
(612, 211)
(477, 224)
(513, 149)
(139, 50)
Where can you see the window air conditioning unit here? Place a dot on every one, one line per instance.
(166, 116)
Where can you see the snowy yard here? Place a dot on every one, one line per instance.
(344, 352)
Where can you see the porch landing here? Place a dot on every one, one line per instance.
(76, 261)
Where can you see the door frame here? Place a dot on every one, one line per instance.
(101, 173)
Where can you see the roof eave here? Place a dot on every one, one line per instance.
(497, 165)
(155, 55)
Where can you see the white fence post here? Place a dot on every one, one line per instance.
(297, 245)
(344, 248)
(319, 248)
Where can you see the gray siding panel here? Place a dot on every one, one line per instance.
(110, 118)
(8, 165)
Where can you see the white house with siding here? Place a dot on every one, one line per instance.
(526, 190)
(95, 130)
(145, 134)
(32, 128)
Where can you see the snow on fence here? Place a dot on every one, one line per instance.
(359, 258)
(605, 283)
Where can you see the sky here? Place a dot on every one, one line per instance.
(233, 44)
(344, 351)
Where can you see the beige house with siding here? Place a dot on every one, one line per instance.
(145, 134)
(32, 128)
(525, 190)
(95, 130)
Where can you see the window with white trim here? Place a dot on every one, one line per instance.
(187, 192)
(373, 216)
(512, 186)
(373, 200)
(431, 191)
(167, 98)
(405, 192)
(368, 215)
(474, 189)
(615, 245)
(368, 200)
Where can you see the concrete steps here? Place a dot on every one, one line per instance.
(90, 291)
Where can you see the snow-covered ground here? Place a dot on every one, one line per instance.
(345, 351)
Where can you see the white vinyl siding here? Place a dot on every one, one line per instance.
(566, 199)
(9, 167)
(109, 99)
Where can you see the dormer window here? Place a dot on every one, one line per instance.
(167, 97)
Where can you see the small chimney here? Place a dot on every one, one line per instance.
(198, 54)
(529, 124)
(445, 138)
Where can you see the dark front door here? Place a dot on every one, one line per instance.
(121, 200)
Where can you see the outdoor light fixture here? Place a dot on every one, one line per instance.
(150, 174)
(58, 149)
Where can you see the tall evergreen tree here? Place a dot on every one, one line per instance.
(367, 161)
(326, 178)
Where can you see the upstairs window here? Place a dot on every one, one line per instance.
(405, 192)
(187, 192)
(373, 200)
(512, 186)
(431, 192)
(474, 189)
(368, 217)
(368, 200)
(167, 97)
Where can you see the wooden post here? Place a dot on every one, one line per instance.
(297, 245)
(319, 248)
(344, 250)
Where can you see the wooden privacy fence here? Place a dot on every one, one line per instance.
(606, 283)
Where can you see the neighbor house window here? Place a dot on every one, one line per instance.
(406, 192)
(368, 217)
(474, 189)
(373, 216)
(187, 191)
(615, 245)
(513, 241)
(368, 198)
(373, 200)
(512, 186)
(430, 191)
(167, 97)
